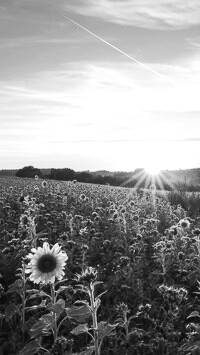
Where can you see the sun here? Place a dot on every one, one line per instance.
(152, 169)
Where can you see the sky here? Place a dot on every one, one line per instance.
(119, 93)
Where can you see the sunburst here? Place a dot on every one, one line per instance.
(146, 177)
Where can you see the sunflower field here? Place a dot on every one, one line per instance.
(97, 270)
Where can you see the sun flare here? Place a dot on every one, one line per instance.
(152, 170)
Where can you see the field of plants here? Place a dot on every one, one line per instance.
(97, 270)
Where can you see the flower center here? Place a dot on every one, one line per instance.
(46, 263)
(184, 224)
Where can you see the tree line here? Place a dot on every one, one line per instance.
(125, 179)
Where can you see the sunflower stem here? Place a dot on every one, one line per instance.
(23, 296)
(53, 298)
(94, 318)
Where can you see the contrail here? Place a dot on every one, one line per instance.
(120, 51)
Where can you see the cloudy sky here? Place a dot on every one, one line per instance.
(68, 99)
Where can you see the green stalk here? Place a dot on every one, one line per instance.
(126, 326)
(53, 298)
(94, 318)
(23, 297)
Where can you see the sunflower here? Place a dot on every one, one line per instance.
(184, 223)
(87, 276)
(82, 197)
(44, 184)
(46, 264)
(153, 188)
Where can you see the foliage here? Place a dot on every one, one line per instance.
(131, 282)
(29, 172)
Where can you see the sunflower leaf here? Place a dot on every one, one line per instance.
(30, 348)
(42, 326)
(97, 303)
(81, 328)
(17, 287)
(32, 290)
(29, 323)
(62, 288)
(40, 234)
(10, 310)
(58, 282)
(101, 294)
(42, 294)
(42, 304)
(194, 314)
(80, 314)
(105, 329)
(58, 307)
(37, 329)
(88, 351)
(81, 302)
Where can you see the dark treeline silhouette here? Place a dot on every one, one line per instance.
(62, 174)
(8, 172)
(126, 179)
(29, 171)
(116, 179)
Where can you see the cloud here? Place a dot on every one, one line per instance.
(194, 42)
(100, 90)
(27, 17)
(86, 103)
(34, 40)
(159, 14)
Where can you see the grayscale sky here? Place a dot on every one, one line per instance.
(69, 100)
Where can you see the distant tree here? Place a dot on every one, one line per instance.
(63, 174)
(84, 176)
(8, 172)
(28, 171)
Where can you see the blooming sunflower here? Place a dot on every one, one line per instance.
(44, 184)
(184, 223)
(46, 264)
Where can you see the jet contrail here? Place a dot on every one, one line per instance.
(120, 51)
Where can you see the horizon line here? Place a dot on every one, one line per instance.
(101, 169)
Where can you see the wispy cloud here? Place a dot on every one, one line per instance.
(159, 14)
(99, 92)
(37, 40)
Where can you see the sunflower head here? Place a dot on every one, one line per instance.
(136, 218)
(184, 223)
(88, 276)
(152, 188)
(82, 197)
(46, 264)
(122, 308)
(196, 232)
(44, 184)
